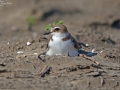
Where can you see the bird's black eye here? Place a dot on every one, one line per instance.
(57, 29)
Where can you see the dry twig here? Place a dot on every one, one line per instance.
(45, 70)
(102, 81)
(90, 58)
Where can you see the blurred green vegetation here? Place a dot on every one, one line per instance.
(31, 20)
(49, 26)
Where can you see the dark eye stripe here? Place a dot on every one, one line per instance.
(57, 29)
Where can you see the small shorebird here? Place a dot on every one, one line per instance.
(61, 42)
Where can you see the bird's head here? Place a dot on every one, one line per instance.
(57, 30)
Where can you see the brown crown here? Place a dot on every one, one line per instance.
(62, 28)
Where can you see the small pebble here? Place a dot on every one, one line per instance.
(8, 43)
(87, 45)
(20, 52)
(93, 50)
(101, 51)
(28, 43)
(35, 53)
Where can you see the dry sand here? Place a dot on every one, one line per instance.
(92, 22)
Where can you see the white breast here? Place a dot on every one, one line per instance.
(59, 47)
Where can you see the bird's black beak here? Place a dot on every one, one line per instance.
(47, 33)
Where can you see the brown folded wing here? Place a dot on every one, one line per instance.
(73, 40)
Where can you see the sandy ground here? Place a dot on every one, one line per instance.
(92, 22)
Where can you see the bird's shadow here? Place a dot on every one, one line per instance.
(90, 54)
(81, 51)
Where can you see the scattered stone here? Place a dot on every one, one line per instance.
(87, 45)
(101, 51)
(8, 43)
(93, 50)
(20, 52)
(35, 53)
(28, 43)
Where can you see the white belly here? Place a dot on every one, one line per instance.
(59, 47)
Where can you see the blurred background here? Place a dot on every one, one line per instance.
(28, 18)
